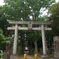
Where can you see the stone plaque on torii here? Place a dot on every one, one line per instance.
(29, 27)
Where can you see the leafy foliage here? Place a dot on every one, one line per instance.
(54, 11)
(23, 9)
(2, 40)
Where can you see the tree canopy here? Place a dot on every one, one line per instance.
(2, 40)
(25, 9)
(54, 16)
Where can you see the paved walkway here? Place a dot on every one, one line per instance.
(28, 57)
(22, 57)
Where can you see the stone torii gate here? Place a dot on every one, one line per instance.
(29, 27)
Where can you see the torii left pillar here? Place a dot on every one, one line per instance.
(15, 40)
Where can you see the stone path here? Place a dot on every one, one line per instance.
(28, 57)
(22, 57)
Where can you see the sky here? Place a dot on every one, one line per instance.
(56, 0)
(1, 2)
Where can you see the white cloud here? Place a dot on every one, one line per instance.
(56, 0)
(1, 2)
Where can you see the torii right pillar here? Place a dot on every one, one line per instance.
(44, 56)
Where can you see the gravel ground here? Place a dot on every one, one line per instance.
(28, 57)
(22, 57)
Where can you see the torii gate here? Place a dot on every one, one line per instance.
(30, 27)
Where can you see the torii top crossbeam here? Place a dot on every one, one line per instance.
(28, 22)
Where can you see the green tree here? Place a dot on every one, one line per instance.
(54, 16)
(24, 9)
(2, 40)
(3, 21)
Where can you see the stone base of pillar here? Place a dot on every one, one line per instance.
(14, 57)
(45, 57)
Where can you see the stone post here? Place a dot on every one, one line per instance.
(43, 42)
(56, 47)
(15, 40)
(8, 50)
